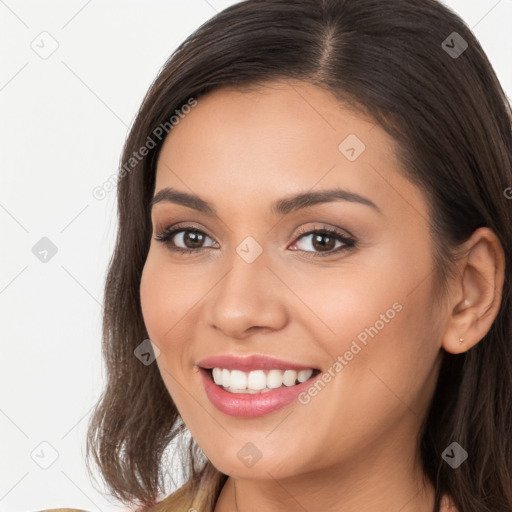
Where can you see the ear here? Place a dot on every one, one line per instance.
(475, 295)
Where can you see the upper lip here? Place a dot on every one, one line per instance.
(248, 363)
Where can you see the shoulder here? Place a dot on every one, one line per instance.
(63, 510)
(182, 500)
(68, 510)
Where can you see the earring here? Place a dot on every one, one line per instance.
(461, 340)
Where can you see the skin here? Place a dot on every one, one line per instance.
(354, 443)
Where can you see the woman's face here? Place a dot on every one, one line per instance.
(355, 304)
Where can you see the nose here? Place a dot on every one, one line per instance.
(248, 298)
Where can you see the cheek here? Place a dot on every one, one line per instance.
(162, 297)
(398, 349)
(169, 295)
(151, 299)
(352, 302)
(376, 316)
(163, 293)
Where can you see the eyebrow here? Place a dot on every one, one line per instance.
(280, 207)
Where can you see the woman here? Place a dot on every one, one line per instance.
(315, 233)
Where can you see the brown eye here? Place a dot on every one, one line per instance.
(323, 242)
(184, 240)
(192, 239)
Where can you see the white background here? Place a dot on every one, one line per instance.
(63, 121)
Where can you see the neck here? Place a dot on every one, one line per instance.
(367, 484)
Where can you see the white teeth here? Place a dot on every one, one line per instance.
(258, 381)
(238, 380)
(217, 376)
(289, 377)
(274, 379)
(226, 378)
(304, 375)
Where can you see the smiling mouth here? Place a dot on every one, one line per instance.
(258, 381)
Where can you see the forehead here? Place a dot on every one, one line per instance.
(282, 120)
(281, 138)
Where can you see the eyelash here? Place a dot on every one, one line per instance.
(348, 242)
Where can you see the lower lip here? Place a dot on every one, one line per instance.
(247, 405)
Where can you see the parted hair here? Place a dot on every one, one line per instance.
(403, 63)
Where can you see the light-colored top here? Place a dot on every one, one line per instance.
(177, 502)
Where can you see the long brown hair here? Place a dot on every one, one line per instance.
(416, 68)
